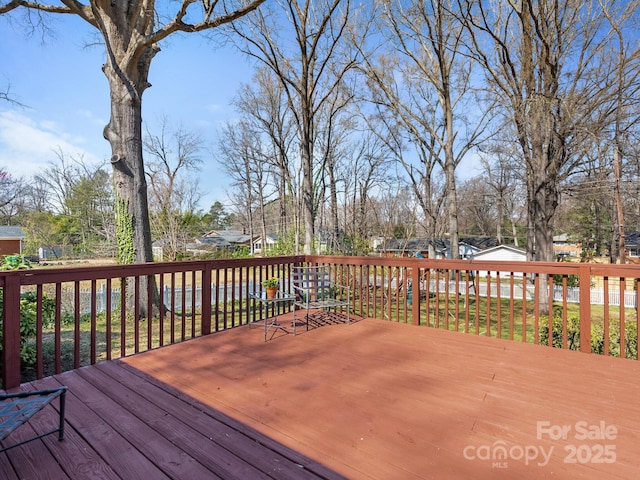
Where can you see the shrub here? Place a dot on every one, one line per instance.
(28, 312)
(630, 339)
(14, 262)
(573, 330)
(597, 335)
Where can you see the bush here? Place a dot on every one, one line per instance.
(573, 330)
(14, 262)
(630, 339)
(28, 312)
(597, 335)
(572, 280)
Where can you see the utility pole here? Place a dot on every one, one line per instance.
(617, 173)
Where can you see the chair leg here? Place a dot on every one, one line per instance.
(63, 397)
(294, 320)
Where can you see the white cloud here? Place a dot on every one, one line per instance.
(27, 146)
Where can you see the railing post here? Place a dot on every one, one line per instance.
(585, 308)
(205, 309)
(11, 332)
(415, 292)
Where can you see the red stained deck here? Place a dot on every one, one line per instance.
(370, 400)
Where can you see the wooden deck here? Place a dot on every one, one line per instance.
(370, 400)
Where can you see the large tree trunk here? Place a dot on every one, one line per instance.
(133, 231)
(127, 71)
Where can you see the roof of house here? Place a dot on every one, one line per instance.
(270, 236)
(440, 244)
(481, 242)
(231, 236)
(11, 233)
(406, 244)
(509, 248)
(219, 242)
(563, 237)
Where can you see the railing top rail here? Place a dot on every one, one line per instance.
(562, 268)
(99, 272)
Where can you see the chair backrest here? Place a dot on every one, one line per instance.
(314, 281)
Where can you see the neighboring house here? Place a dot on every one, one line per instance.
(632, 243)
(502, 253)
(11, 239)
(405, 247)
(468, 247)
(233, 237)
(563, 247)
(204, 245)
(259, 245)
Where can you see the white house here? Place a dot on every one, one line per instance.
(501, 253)
(259, 245)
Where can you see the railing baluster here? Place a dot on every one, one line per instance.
(94, 324)
(150, 284)
(39, 351)
(512, 294)
(76, 324)
(108, 326)
(57, 329)
(136, 312)
(183, 305)
(623, 322)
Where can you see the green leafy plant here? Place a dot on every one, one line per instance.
(241, 251)
(124, 232)
(630, 339)
(597, 335)
(14, 262)
(573, 331)
(28, 312)
(271, 282)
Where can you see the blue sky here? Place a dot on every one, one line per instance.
(66, 96)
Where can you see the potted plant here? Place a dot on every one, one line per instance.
(271, 286)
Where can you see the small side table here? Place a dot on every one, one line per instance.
(272, 322)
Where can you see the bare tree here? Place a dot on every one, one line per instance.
(300, 44)
(477, 207)
(625, 103)
(132, 31)
(72, 202)
(174, 187)
(262, 107)
(424, 81)
(499, 159)
(541, 59)
(59, 178)
(5, 95)
(423, 178)
(12, 196)
(244, 161)
(365, 177)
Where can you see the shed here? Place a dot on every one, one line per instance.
(501, 253)
(11, 239)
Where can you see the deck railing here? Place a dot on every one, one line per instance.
(64, 318)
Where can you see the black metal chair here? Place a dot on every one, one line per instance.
(18, 408)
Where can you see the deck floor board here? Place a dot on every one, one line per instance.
(370, 400)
